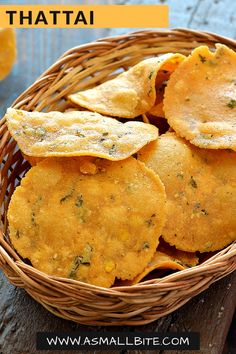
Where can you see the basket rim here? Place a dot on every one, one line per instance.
(209, 269)
(220, 256)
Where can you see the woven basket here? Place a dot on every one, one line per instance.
(80, 68)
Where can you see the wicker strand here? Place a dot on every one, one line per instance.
(80, 68)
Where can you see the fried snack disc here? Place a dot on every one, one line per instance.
(160, 260)
(77, 134)
(161, 81)
(7, 51)
(167, 257)
(187, 259)
(131, 93)
(157, 110)
(201, 192)
(200, 98)
(92, 228)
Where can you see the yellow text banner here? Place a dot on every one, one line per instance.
(84, 16)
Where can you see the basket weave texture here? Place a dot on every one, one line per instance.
(78, 69)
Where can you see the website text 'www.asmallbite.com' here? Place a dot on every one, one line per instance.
(114, 340)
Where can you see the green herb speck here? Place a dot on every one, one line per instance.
(145, 245)
(206, 136)
(75, 265)
(79, 201)
(192, 182)
(79, 134)
(112, 149)
(231, 104)
(150, 222)
(33, 219)
(197, 206)
(85, 259)
(87, 253)
(178, 262)
(67, 196)
(204, 212)
(150, 75)
(202, 58)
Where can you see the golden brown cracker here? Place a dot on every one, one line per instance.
(201, 192)
(131, 93)
(77, 134)
(200, 98)
(167, 257)
(89, 227)
(7, 51)
(160, 260)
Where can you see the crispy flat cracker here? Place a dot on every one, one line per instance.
(167, 257)
(92, 228)
(187, 259)
(131, 93)
(157, 110)
(160, 260)
(161, 81)
(77, 134)
(201, 192)
(7, 51)
(200, 98)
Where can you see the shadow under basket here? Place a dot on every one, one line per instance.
(78, 69)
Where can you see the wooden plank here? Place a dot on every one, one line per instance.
(209, 313)
(215, 16)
